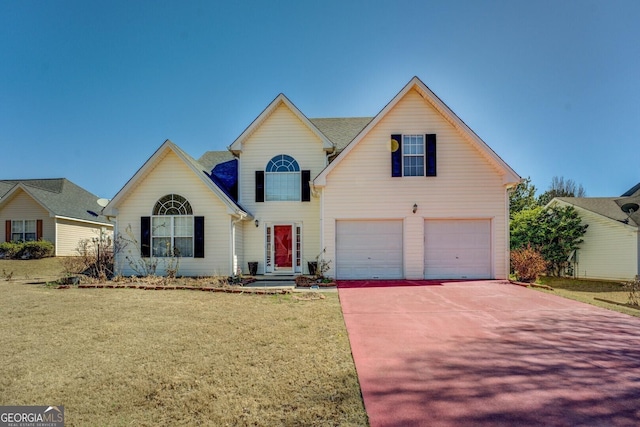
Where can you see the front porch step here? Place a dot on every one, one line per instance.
(287, 281)
(283, 278)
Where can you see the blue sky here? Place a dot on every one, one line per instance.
(89, 90)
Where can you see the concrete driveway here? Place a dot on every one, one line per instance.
(491, 353)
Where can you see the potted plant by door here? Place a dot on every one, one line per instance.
(253, 268)
(313, 267)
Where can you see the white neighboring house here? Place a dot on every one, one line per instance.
(55, 210)
(410, 193)
(611, 247)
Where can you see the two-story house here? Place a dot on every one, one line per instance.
(410, 193)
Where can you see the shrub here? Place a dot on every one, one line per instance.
(27, 250)
(36, 249)
(528, 264)
(9, 250)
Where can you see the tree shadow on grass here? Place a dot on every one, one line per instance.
(581, 370)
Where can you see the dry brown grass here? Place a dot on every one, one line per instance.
(33, 269)
(592, 292)
(148, 358)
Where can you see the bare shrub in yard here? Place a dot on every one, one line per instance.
(528, 264)
(94, 259)
(146, 265)
(634, 291)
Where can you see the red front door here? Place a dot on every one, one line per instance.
(283, 247)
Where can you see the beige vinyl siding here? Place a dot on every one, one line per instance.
(172, 176)
(467, 185)
(70, 233)
(22, 206)
(281, 133)
(609, 250)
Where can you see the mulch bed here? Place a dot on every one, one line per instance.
(232, 290)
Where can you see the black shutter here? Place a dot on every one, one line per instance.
(396, 155)
(145, 236)
(7, 231)
(305, 177)
(198, 237)
(431, 155)
(259, 186)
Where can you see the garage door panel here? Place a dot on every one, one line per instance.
(457, 249)
(369, 249)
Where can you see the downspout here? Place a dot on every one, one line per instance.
(232, 234)
(508, 229)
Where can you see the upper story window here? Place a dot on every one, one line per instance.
(282, 179)
(172, 227)
(413, 155)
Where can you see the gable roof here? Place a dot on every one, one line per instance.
(233, 208)
(59, 196)
(510, 176)
(341, 130)
(608, 207)
(236, 146)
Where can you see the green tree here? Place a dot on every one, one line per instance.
(561, 187)
(523, 196)
(554, 231)
(563, 231)
(525, 230)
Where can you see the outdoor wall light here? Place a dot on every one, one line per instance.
(257, 223)
(415, 207)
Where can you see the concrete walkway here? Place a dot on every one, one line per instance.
(488, 353)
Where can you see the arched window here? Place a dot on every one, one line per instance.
(282, 179)
(172, 227)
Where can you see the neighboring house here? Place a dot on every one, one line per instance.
(410, 193)
(56, 210)
(611, 247)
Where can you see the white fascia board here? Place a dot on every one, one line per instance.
(236, 146)
(110, 209)
(232, 207)
(509, 175)
(22, 187)
(68, 218)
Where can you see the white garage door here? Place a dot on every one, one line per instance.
(369, 249)
(457, 249)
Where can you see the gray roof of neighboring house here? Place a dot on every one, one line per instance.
(607, 206)
(59, 196)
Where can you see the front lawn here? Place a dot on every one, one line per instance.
(147, 358)
(591, 292)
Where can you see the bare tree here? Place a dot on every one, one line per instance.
(561, 187)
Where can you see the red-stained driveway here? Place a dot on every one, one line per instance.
(488, 353)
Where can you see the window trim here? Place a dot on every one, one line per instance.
(406, 155)
(23, 231)
(178, 207)
(172, 236)
(278, 166)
